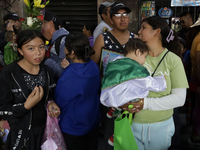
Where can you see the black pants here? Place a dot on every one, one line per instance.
(88, 141)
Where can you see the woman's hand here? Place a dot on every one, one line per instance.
(64, 63)
(133, 107)
(54, 110)
(35, 96)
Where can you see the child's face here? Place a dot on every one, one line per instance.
(138, 56)
(33, 51)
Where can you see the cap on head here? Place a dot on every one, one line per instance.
(50, 16)
(117, 6)
(103, 6)
(11, 16)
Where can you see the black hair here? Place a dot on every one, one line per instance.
(184, 14)
(104, 11)
(158, 22)
(63, 24)
(133, 44)
(91, 27)
(26, 36)
(79, 43)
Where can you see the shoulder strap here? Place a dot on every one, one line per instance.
(57, 43)
(115, 40)
(159, 63)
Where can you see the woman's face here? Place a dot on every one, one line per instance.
(121, 23)
(33, 52)
(146, 33)
(84, 31)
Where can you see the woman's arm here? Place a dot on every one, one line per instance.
(173, 100)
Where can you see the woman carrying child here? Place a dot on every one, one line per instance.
(153, 127)
(26, 86)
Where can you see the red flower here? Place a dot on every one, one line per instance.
(40, 17)
(21, 19)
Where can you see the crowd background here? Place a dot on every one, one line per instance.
(190, 33)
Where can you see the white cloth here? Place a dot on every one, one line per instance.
(173, 100)
(99, 29)
(137, 88)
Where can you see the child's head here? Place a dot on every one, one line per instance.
(30, 42)
(137, 50)
(77, 46)
(9, 36)
(88, 29)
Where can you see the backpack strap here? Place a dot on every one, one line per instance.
(57, 43)
(115, 40)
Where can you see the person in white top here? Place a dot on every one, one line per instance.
(105, 24)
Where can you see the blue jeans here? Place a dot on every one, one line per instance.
(154, 136)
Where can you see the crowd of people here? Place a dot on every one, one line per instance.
(88, 79)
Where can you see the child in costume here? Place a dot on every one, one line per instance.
(26, 86)
(126, 80)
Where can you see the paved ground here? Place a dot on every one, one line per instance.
(185, 134)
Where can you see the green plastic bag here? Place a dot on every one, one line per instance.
(123, 134)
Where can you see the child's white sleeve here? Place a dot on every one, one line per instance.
(124, 92)
(173, 100)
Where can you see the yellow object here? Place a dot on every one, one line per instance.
(37, 3)
(46, 42)
(27, 2)
(130, 106)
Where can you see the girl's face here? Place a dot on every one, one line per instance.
(33, 51)
(86, 32)
(122, 22)
(146, 33)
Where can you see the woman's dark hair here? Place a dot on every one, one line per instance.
(79, 43)
(133, 44)
(158, 22)
(26, 36)
(91, 27)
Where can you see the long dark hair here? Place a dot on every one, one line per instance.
(26, 36)
(79, 43)
(158, 22)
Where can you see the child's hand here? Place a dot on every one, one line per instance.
(64, 63)
(54, 110)
(35, 96)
